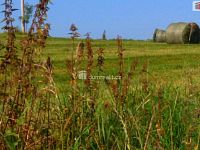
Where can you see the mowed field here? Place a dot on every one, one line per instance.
(166, 63)
(171, 63)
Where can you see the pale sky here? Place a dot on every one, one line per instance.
(132, 19)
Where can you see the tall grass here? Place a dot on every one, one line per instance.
(100, 113)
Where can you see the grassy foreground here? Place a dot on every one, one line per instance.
(154, 106)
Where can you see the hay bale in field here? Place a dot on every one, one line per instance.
(159, 36)
(182, 33)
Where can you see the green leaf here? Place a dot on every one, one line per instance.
(11, 139)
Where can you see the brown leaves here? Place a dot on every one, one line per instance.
(80, 51)
(100, 59)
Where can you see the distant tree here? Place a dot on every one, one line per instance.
(104, 35)
(25, 18)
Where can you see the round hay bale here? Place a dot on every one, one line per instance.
(159, 36)
(182, 33)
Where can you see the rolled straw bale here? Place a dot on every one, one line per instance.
(182, 33)
(159, 36)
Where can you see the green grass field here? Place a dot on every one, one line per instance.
(158, 110)
(167, 62)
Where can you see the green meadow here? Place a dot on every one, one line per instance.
(167, 62)
(155, 106)
(172, 63)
